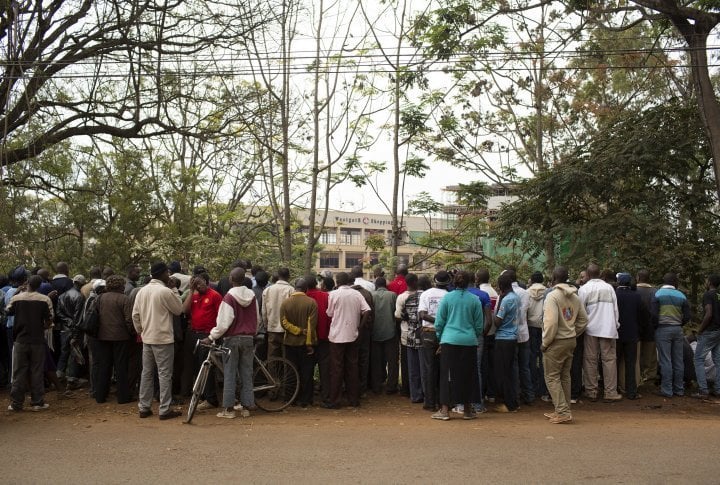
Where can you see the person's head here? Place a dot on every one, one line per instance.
(411, 280)
(505, 283)
(312, 282)
(342, 278)
(713, 281)
(247, 283)
(401, 269)
(355, 272)
(442, 279)
(462, 279)
(133, 272)
(199, 269)
(284, 274)
(175, 267)
(592, 271)
(378, 272)
(99, 286)
(328, 283)
(560, 275)
(95, 273)
(62, 268)
(255, 269)
(643, 276)
(239, 263)
(262, 278)
(582, 278)
(79, 281)
(537, 277)
(237, 276)
(623, 279)
(608, 276)
(510, 273)
(424, 283)
(301, 284)
(19, 275)
(380, 282)
(160, 271)
(670, 279)
(482, 276)
(34, 282)
(200, 282)
(115, 283)
(44, 274)
(107, 272)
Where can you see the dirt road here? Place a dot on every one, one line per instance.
(388, 440)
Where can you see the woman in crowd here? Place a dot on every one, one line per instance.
(458, 323)
(112, 346)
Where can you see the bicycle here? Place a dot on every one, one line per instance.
(276, 382)
(213, 359)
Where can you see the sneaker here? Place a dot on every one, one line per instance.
(470, 415)
(479, 408)
(546, 398)
(459, 409)
(634, 397)
(226, 414)
(245, 413)
(441, 415)
(573, 401)
(205, 405)
(491, 400)
(615, 398)
(592, 397)
(13, 408)
(501, 408)
(39, 407)
(700, 395)
(144, 413)
(561, 419)
(660, 393)
(550, 415)
(170, 415)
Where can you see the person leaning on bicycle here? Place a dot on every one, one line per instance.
(236, 325)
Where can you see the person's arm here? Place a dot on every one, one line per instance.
(487, 320)
(440, 319)
(225, 318)
(187, 304)
(137, 323)
(311, 323)
(707, 318)
(687, 316)
(550, 323)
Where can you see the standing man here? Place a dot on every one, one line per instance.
(564, 318)
(322, 351)
(298, 314)
(670, 309)
(236, 324)
(384, 340)
(357, 274)
(406, 310)
(33, 314)
(522, 360)
(600, 302)
(155, 305)
(69, 312)
(648, 350)
(399, 285)
(536, 292)
(347, 308)
(133, 275)
(708, 338)
(272, 299)
(202, 306)
(427, 309)
(632, 319)
(507, 320)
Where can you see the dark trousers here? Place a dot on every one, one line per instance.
(384, 352)
(488, 367)
(627, 351)
(28, 366)
(458, 372)
(404, 371)
(505, 383)
(364, 341)
(344, 367)
(576, 369)
(134, 366)
(305, 365)
(322, 356)
(112, 355)
(537, 372)
(191, 367)
(431, 363)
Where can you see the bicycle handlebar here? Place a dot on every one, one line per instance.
(211, 346)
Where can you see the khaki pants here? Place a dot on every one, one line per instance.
(648, 362)
(603, 349)
(557, 362)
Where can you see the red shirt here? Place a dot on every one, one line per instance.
(204, 310)
(323, 324)
(398, 285)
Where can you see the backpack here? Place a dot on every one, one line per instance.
(90, 320)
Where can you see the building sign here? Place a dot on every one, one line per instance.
(374, 221)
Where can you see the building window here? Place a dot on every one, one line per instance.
(374, 259)
(328, 238)
(353, 259)
(350, 237)
(403, 259)
(329, 260)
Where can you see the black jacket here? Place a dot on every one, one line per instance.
(69, 309)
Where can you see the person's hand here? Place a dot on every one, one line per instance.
(304, 331)
(439, 349)
(310, 350)
(206, 341)
(53, 294)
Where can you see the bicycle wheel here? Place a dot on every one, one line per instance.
(276, 385)
(197, 391)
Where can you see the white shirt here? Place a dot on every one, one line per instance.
(600, 303)
(429, 302)
(364, 283)
(523, 334)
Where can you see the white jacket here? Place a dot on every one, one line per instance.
(272, 299)
(600, 303)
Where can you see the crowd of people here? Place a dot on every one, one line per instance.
(451, 343)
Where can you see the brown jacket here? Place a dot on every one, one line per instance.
(115, 316)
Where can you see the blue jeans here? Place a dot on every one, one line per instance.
(238, 361)
(478, 394)
(708, 341)
(415, 374)
(537, 371)
(521, 368)
(669, 340)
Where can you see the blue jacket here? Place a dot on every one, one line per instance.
(459, 319)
